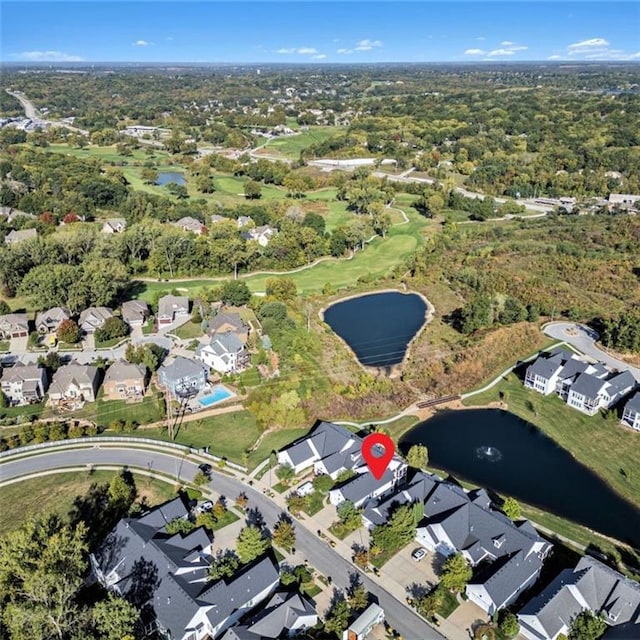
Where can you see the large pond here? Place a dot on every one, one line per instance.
(165, 177)
(378, 327)
(498, 450)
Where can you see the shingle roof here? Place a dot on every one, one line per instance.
(181, 368)
(81, 374)
(101, 313)
(53, 315)
(588, 385)
(620, 383)
(22, 372)
(545, 367)
(21, 234)
(363, 485)
(634, 403)
(168, 304)
(122, 370)
(220, 319)
(134, 309)
(280, 614)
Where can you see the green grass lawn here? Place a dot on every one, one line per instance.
(188, 330)
(291, 146)
(311, 589)
(26, 410)
(4, 345)
(449, 604)
(273, 442)
(601, 444)
(228, 518)
(313, 503)
(56, 493)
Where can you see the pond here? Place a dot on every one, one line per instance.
(379, 326)
(498, 450)
(165, 177)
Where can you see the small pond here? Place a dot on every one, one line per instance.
(498, 450)
(379, 326)
(165, 177)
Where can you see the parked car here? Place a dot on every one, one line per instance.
(418, 554)
(205, 468)
(205, 507)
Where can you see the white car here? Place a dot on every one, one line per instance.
(205, 507)
(418, 554)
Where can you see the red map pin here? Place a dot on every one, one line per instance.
(377, 450)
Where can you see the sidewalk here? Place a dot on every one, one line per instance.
(385, 579)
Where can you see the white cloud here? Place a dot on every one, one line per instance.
(506, 43)
(474, 52)
(142, 43)
(500, 52)
(344, 51)
(556, 57)
(303, 51)
(367, 45)
(283, 50)
(306, 51)
(587, 44)
(517, 47)
(320, 56)
(481, 38)
(46, 56)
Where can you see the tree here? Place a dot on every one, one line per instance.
(429, 603)
(235, 292)
(456, 572)
(224, 564)
(200, 479)
(52, 361)
(251, 543)
(284, 534)
(587, 626)
(513, 311)
(511, 508)
(69, 332)
(349, 516)
(179, 525)
(111, 329)
(358, 597)
(42, 568)
(122, 491)
(285, 473)
(337, 618)
(241, 501)
(252, 190)
(4, 308)
(115, 618)
(399, 530)
(476, 314)
(206, 520)
(418, 456)
(508, 624)
(283, 289)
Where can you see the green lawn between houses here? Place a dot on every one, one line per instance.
(57, 492)
(600, 443)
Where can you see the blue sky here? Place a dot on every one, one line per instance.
(319, 31)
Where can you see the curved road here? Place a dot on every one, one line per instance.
(321, 556)
(584, 340)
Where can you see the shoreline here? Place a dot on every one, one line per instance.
(395, 370)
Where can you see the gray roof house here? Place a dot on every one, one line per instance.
(114, 225)
(172, 308)
(14, 237)
(542, 375)
(590, 393)
(590, 586)
(631, 413)
(93, 318)
(261, 234)
(125, 381)
(48, 321)
(182, 377)
(226, 322)
(74, 382)
(190, 224)
(286, 614)
(507, 556)
(135, 312)
(24, 384)
(217, 218)
(225, 353)
(185, 604)
(14, 325)
(243, 221)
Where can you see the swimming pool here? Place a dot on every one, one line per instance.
(219, 393)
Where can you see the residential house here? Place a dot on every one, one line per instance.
(93, 318)
(190, 224)
(48, 321)
(24, 384)
(623, 198)
(172, 309)
(182, 377)
(224, 353)
(590, 586)
(217, 218)
(590, 393)
(228, 322)
(285, 615)
(243, 221)
(14, 325)
(74, 382)
(331, 450)
(362, 626)
(261, 234)
(10, 214)
(125, 381)
(135, 312)
(542, 375)
(506, 556)
(631, 413)
(114, 225)
(184, 603)
(14, 237)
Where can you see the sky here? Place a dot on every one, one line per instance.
(318, 31)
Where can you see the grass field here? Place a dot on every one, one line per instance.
(291, 146)
(57, 492)
(601, 444)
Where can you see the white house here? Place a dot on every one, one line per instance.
(225, 353)
(74, 382)
(589, 393)
(261, 234)
(631, 413)
(93, 318)
(23, 384)
(361, 627)
(114, 225)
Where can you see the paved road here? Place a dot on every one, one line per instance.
(584, 340)
(321, 556)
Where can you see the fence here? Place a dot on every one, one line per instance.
(121, 440)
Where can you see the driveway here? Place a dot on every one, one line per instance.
(408, 572)
(584, 340)
(18, 345)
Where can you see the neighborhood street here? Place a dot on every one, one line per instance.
(327, 560)
(584, 340)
